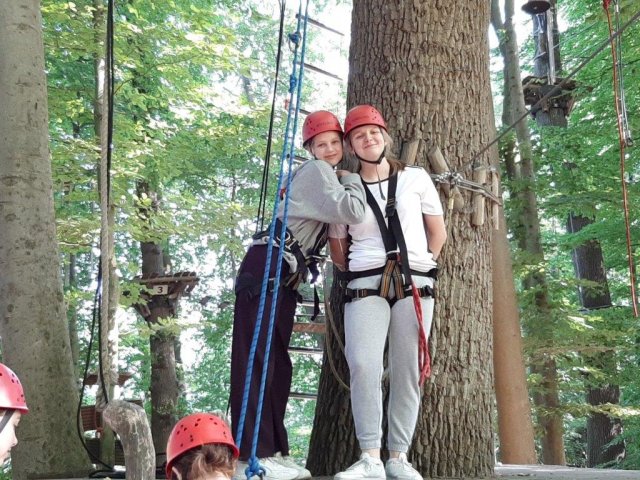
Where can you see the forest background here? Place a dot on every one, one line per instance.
(192, 103)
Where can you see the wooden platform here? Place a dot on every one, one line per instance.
(552, 472)
(543, 472)
(547, 472)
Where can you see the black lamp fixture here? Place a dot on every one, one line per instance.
(533, 7)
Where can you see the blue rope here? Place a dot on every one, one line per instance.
(254, 467)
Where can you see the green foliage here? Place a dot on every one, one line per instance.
(578, 172)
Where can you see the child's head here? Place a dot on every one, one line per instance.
(12, 406)
(201, 447)
(322, 136)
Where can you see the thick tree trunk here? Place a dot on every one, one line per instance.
(424, 65)
(602, 429)
(32, 315)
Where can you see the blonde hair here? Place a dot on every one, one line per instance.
(206, 460)
(351, 163)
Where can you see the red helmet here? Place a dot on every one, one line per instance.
(319, 122)
(363, 115)
(194, 431)
(11, 392)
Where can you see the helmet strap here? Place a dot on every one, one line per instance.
(377, 162)
(5, 419)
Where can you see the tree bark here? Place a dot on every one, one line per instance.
(32, 313)
(131, 423)
(424, 65)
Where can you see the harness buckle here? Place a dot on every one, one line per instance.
(390, 210)
(393, 255)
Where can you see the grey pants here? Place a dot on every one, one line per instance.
(368, 321)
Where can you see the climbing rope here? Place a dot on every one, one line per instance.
(624, 138)
(267, 156)
(295, 93)
(455, 179)
(332, 331)
(102, 277)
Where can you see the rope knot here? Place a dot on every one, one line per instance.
(293, 83)
(294, 38)
(254, 468)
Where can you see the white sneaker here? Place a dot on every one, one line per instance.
(400, 468)
(303, 473)
(366, 467)
(274, 470)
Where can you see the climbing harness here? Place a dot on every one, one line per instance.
(624, 134)
(395, 268)
(288, 154)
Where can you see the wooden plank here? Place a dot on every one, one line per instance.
(316, 23)
(310, 327)
(313, 68)
(306, 350)
(303, 396)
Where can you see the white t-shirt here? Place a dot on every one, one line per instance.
(415, 195)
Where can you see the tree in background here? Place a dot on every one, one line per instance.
(35, 340)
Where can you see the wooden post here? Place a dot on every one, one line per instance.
(479, 177)
(130, 422)
(439, 165)
(409, 152)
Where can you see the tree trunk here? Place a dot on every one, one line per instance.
(515, 426)
(602, 429)
(110, 292)
(130, 421)
(424, 65)
(32, 314)
(527, 233)
(165, 387)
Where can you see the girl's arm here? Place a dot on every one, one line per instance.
(436, 233)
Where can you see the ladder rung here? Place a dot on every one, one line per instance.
(321, 25)
(306, 350)
(303, 395)
(308, 314)
(309, 327)
(320, 70)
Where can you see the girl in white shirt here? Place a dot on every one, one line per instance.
(382, 306)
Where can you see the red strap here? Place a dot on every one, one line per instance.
(606, 3)
(424, 359)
